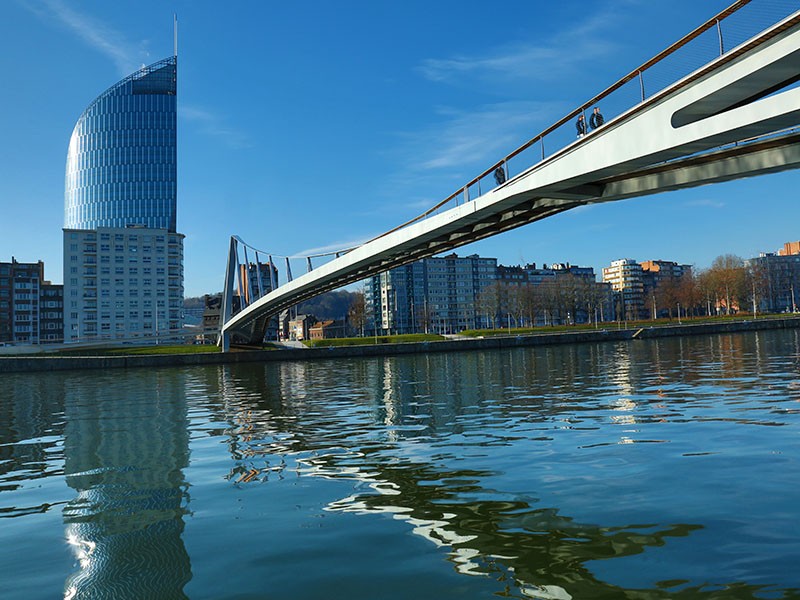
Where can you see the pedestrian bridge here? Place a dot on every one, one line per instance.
(736, 115)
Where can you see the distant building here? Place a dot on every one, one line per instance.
(789, 249)
(257, 280)
(51, 313)
(329, 329)
(776, 279)
(558, 293)
(656, 274)
(625, 276)
(122, 282)
(300, 327)
(430, 295)
(31, 308)
(662, 270)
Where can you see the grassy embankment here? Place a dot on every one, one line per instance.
(372, 340)
(617, 325)
(421, 337)
(129, 351)
(477, 333)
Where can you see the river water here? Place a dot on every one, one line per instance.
(650, 469)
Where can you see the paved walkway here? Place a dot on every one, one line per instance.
(293, 344)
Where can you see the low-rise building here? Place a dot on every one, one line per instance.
(328, 329)
(300, 327)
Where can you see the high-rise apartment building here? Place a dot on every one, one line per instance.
(434, 295)
(627, 284)
(123, 258)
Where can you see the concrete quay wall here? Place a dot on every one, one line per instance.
(13, 364)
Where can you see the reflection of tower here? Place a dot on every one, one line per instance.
(125, 447)
(389, 400)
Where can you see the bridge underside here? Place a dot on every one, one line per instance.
(686, 136)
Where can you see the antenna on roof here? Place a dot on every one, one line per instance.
(175, 33)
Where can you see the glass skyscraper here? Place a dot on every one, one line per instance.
(123, 258)
(122, 159)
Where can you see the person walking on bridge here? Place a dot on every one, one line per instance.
(580, 125)
(596, 120)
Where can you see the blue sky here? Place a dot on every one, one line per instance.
(314, 125)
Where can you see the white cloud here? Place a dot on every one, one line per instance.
(126, 55)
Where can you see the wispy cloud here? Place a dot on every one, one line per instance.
(214, 125)
(126, 55)
(470, 137)
(464, 141)
(554, 58)
(333, 247)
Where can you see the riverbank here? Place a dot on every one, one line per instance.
(14, 364)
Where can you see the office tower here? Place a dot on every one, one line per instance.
(123, 258)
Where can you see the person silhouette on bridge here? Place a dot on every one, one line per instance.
(580, 125)
(596, 120)
(500, 175)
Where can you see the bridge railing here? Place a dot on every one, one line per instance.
(715, 38)
(253, 273)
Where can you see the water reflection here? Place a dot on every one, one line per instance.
(647, 470)
(31, 427)
(403, 427)
(125, 447)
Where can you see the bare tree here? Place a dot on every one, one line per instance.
(667, 294)
(533, 301)
(357, 313)
(487, 302)
(729, 281)
(689, 292)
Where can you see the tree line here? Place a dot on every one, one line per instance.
(728, 286)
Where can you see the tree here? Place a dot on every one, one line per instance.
(515, 302)
(532, 300)
(688, 292)
(487, 302)
(357, 313)
(728, 279)
(667, 294)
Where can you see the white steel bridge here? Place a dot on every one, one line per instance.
(737, 115)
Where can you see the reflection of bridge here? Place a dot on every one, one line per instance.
(734, 116)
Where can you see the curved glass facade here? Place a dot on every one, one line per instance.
(122, 159)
